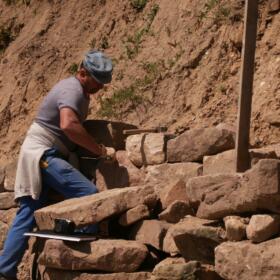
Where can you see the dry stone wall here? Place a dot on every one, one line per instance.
(188, 218)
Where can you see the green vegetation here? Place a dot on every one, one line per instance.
(125, 99)
(104, 44)
(132, 44)
(139, 5)
(128, 98)
(6, 38)
(215, 10)
(73, 69)
(92, 43)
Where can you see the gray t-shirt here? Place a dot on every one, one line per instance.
(66, 93)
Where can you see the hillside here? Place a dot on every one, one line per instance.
(176, 62)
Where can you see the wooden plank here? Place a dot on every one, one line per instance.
(246, 85)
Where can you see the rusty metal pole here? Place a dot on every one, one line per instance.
(246, 85)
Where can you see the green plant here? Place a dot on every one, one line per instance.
(153, 13)
(73, 69)
(104, 43)
(121, 101)
(139, 5)
(6, 38)
(214, 9)
(92, 43)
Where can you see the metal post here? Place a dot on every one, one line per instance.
(246, 85)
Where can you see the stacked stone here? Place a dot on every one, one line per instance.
(8, 207)
(172, 208)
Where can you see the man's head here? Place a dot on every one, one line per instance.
(95, 71)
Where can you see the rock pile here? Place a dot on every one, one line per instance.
(171, 208)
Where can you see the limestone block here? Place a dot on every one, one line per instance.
(134, 215)
(194, 144)
(246, 261)
(176, 211)
(104, 255)
(95, 208)
(258, 188)
(197, 238)
(134, 147)
(154, 148)
(263, 227)
(150, 232)
(164, 175)
(7, 216)
(52, 274)
(225, 162)
(235, 228)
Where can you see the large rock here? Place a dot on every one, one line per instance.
(176, 211)
(155, 148)
(3, 233)
(263, 227)
(119, 173)
(194, 144)
(167, 174)
(53, 274)
(134, 215)
(169, 245)
(147, 148)
(150, 232)
(178, 269)
(95, 208)
(7, 200)
(246, 261)
(10, 176)
(196, 238)
(104, 255)
(225, 162)
(235, 228)
(258, 188)
(7, 216)
(173, 191)
(196, 188)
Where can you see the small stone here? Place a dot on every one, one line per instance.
(133, 215)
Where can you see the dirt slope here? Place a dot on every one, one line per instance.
(176, 62)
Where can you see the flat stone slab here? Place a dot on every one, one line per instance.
(246, 261)
(225, 162)
(150, 232)
(197, 238)
(134, 215)
(95, 208)
(103, 255)
(53, 274)
(194, 144)
(257, 188)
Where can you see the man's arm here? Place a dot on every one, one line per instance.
(71, 126)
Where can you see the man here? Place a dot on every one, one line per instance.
(43, 160)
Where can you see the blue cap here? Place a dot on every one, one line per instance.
(99, 66)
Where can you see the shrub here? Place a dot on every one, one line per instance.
(121, 101)
(5, 38)
(139, 5)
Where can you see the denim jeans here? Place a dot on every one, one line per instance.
(57, 174)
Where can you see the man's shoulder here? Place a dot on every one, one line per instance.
(70, 82)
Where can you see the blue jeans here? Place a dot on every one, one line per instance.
(58, 174)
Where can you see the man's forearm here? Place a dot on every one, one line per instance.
(77, 133)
